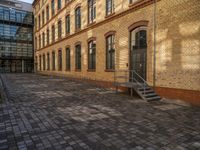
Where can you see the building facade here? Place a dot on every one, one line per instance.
(94, 39)
(16, 37)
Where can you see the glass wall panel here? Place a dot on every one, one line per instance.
(16, 40)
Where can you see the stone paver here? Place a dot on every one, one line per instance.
(44, 112)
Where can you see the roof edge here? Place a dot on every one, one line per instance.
(34, 2)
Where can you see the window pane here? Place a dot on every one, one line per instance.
(60, 29)
(60, 60)
(67, 59)
(53, 61)
(48, 61)
(78, 18)
(53, 34)
(78, 57)
(110, 52)
(91, 10)
(92, 55)
(109, 7)
(44, 63)
(59, 4)
(67, 24)
(52, 8)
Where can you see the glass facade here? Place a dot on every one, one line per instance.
(16, 40)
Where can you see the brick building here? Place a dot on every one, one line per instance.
(160, 40)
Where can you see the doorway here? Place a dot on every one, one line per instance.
(138, 52)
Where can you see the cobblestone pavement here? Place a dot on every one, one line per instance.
(43, 112)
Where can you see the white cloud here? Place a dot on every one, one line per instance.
(28, 1)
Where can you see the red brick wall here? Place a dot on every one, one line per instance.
(189, 96)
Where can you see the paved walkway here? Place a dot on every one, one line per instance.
(55, 113)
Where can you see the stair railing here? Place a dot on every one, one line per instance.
(131, 76)
(138, 80)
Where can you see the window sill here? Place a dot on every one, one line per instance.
(110, 15)
(77, 30)
(58, 10)
(67, 34)
(58, 39)
(77, 70)
(137, 3)
(109, 70)
(91, 70)
(92, 23)
(68, 70)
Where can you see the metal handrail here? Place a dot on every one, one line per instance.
(139, 76)
(131, 76)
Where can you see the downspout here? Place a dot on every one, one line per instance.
(154, 51)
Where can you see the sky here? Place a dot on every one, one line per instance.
(28, 1)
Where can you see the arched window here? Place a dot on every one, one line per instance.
(47, 36)
(138, 38)
(39, 21)
(68, 59)
(67, 24)
(44, 62)
(53, 33)
(78, 57)
(48, 61)
(110, 51)
(43, 17)
(43, 39)
(91, 11)
(52, 8)
(60, 60)
(78, 18)
(35, 43)
(59, 4)
(59, 29)
(109, 7)
(53, 61)
(36, 63)
(35, 23)
(40, 62)
(39, 41)
(47, 12)
(92, 55)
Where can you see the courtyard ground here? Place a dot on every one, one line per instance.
(43, 112)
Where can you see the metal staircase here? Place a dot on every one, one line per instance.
(133, 81)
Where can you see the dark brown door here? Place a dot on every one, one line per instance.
(138, 52)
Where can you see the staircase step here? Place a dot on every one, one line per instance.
(150, 95)
(142, 89)
(147, 91)
(156, 98)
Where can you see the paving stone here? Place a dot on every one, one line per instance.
(61, 113)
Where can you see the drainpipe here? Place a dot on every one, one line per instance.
(154, 51)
